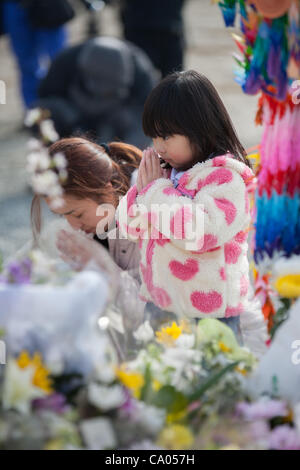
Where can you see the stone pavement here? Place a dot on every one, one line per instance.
(209, 49)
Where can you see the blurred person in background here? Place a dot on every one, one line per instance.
(99, 87)
(37, 34)
(157, 27)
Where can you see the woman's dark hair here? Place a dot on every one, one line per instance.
(188, 104)
(89, 170)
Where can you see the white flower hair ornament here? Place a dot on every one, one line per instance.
(47, 173)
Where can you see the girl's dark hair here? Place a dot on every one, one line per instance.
(90, 169)
(188, 104)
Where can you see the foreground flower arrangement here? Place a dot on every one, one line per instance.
(186, 388)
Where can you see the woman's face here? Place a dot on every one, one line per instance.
(81, 214)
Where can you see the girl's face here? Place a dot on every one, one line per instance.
(175, 150)
(81, 214)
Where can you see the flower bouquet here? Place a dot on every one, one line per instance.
(46, 307)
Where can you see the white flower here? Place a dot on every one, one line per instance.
(48, 130)
(32, 117)
(98, 434)
(186, 365)
(149, 417)
(18, 389)
(144, 333)
(105, 373)
(58, 425)
(34, 145)
(178, 357)
(43, 182)
(60, 161)
(106, 398)
(38, 161)
(185, 341)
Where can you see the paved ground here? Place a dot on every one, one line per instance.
(209, 51)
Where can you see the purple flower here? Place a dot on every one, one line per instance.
(263, 409)
(54, 402)
(128, 408)
(259, 431)
(19, 272)
(284, 438)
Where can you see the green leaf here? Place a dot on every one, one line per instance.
(171, 399)
(281, 311)
(147, 387)
(213, 380)
(286, 302)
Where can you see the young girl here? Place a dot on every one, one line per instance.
(192, 269)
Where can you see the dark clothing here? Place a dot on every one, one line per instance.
(157, 27)
(99, 86)
(103, 242)
(33, 47)
(166, 50)
(158, 15)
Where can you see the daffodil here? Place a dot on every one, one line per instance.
(41, 373)
(132, 380)
(18, 389)
(168, 335)
(176, 437)
(223, 347)
(288, 286)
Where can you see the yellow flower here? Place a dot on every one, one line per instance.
(230, 447)
(169, 334)
(156, 385)
(176, 417)
(176, 437)
(241, 371)
(223, 347)
(288, 286)
(41, 374)
(132, 380)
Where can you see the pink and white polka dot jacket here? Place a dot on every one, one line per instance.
(193, 259)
